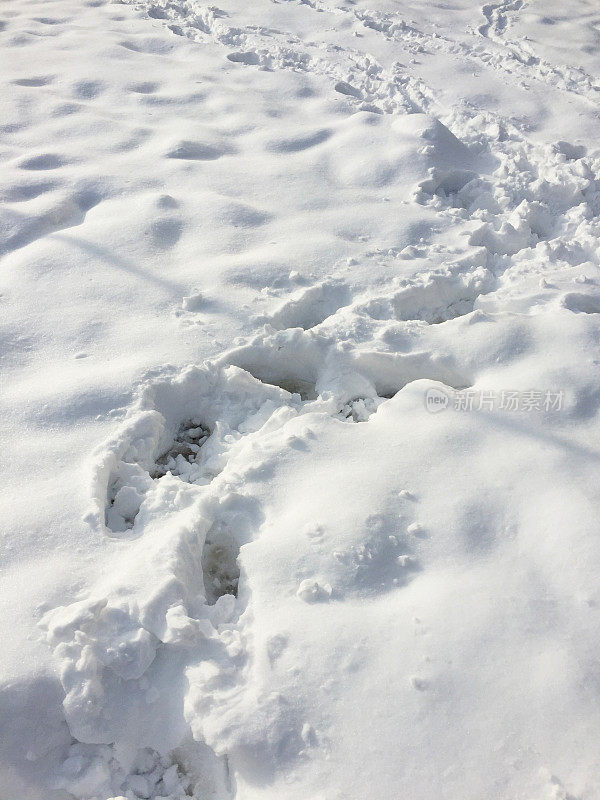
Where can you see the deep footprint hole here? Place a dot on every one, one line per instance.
(359, 409)
(183, 456)
(305, 389)
(294, 384)
(220, 569)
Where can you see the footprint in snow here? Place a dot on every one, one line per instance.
(580, 303)
(145, 87)
(37, 81)
(42, 162)
(188, 150)
(88, 90)
(249, 58)
(346, 88)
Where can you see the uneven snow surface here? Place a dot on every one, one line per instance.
(300, 401)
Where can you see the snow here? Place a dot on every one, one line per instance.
(300, 400)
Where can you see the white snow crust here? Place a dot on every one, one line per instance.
(300, 400)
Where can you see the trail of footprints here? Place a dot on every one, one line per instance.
(362, 79)
(353, 73)
(512, 58)
(189, 455)
(282, 373)
(515, 216)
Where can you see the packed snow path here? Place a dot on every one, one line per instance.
(300, 346)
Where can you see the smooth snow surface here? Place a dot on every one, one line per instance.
(300, 410)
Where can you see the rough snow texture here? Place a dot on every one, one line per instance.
(216, 584)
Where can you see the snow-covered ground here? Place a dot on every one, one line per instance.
(300, 400)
